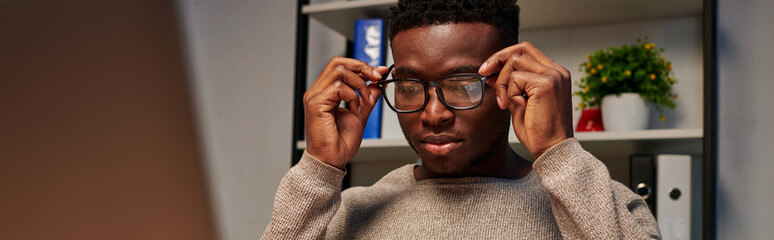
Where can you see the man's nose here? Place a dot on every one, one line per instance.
(435, 113)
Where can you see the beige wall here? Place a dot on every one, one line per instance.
(241, 62)
(745, 171)
(97, 139)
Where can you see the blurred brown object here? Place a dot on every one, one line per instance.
(97, 135)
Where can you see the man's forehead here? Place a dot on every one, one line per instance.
(423, 71)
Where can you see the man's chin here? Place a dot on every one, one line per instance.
(448, 163)
(445, 166)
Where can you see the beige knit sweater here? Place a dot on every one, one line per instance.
(569, 194)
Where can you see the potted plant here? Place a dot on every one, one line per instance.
(622, 79)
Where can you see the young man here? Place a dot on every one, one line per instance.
(460, 78)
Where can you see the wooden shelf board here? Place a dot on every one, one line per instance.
(536, 14)
(650, 134)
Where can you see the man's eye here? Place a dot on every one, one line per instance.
(409, 89)
(459, 88)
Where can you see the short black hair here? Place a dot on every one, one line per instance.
(501, 14)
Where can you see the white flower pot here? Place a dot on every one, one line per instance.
(627, 112)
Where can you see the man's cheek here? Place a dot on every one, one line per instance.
(408, 122)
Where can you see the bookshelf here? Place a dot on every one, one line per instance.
(613, 148)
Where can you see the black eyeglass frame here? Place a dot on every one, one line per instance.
(382, 84)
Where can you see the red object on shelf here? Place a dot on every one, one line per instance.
(590, 121)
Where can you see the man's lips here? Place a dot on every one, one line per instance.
(440, 144)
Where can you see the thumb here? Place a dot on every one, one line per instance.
(369, 102)
(381, 70)
(517, 117)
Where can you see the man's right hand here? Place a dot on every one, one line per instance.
(333, 134)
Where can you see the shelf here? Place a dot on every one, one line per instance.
(536, 14)
(375, 150)
(651, 134)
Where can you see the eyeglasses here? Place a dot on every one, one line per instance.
(460, 91)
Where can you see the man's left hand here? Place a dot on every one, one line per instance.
(537, 92)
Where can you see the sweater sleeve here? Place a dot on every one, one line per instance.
(307, 198)
(586, 203)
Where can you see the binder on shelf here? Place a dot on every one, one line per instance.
(369, 47)
(673, 196)
(642, 179)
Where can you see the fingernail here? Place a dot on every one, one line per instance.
(482, 66)
(499, 103)
(377, 73)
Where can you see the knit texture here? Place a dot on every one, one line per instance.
(569, 194)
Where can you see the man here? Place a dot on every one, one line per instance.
(460, 78)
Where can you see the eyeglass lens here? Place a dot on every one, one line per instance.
(458, 92)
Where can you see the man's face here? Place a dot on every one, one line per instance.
(449, 141)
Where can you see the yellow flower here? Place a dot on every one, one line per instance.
(581, 105)
(599, 66)
(662, 118)
(604, 79)
(586, 89)
(628, 73)
(669, 66)
(588, 56)
(588, 65)
(652, 76)
(593, 71)
(671, 79)
(647, 46)
(675, 96)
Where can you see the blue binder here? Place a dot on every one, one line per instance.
(369, 48)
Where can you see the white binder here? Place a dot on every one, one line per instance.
(673, 198)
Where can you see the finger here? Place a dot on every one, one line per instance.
(504, 79)
(502, 61)
(497, 60)
(529, 64)
(517, 89)
(541, 57)
(525, 63)
(375, 94)
(352, 65)
(500, 58)
(358, 66)
(365, 109)
(502, 84)
(381, 69)
(354, 81)
(348, 95)
(517, 118)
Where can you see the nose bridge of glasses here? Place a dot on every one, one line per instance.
(434, 87)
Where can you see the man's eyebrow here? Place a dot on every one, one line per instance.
(468, 68)
(405, 71)
(463, 69)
